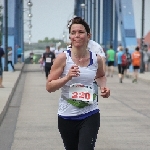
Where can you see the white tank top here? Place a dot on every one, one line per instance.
(86, 74)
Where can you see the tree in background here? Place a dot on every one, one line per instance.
(52, 41)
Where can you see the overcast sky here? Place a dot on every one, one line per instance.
(50, 17)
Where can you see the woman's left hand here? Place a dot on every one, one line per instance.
(105, 92)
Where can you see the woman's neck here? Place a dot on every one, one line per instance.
(79, 53)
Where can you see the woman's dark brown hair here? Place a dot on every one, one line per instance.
(78, 20)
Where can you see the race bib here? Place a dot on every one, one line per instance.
(48, 60)
(81, 93)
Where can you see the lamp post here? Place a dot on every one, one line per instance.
(29, 21)
(94, 19)
(6, 34)
(30, 4)
(82, 8)
(142, 38)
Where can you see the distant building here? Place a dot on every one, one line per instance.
(146, 39)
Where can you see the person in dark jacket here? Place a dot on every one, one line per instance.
(1, 66)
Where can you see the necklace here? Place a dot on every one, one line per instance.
(80, 59)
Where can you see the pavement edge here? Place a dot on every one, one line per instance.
(3, 113)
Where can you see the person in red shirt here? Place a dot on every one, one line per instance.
(136, 60)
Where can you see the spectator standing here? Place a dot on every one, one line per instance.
(19, 53)
(149, 57)
(1, 66)
(10, 58)
(146, 57)
(110, 60)
(48, 58)
(136, 60)
(31, 57)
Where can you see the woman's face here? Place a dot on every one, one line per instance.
(78, 35)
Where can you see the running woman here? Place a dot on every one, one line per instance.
(74, 72)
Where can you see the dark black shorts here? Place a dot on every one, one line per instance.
(121, 69)
(19, 56)
(136, 67)
(110, 63)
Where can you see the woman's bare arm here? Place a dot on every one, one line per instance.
(101, 79)
(54, 81)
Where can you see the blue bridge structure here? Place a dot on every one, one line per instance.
(105, 17)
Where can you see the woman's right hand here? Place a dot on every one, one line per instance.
(73, 72)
